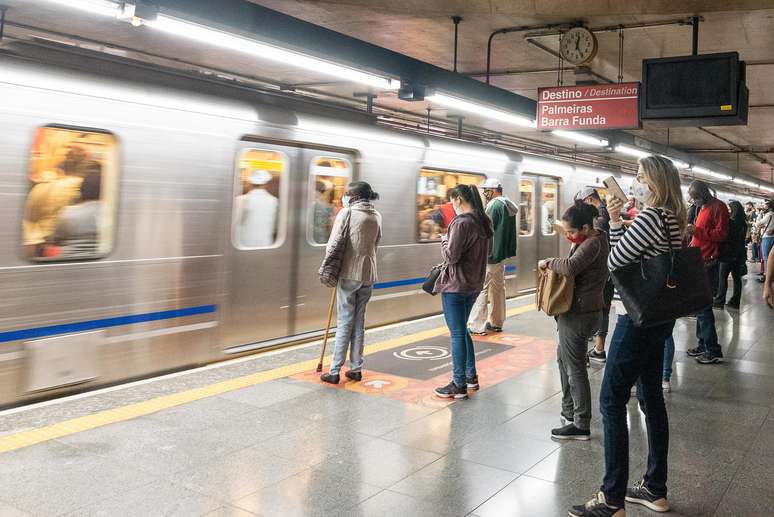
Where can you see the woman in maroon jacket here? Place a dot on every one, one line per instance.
(465, 250)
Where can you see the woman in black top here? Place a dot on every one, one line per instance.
(733, 259)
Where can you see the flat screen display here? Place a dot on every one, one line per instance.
(691, 82)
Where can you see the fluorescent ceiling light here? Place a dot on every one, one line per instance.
(479, 109)
(580, 137)
(767, 189)
(631, 151)
(745, 182)
(221, 39)
(678, 163)
(707, 172)
(101, 7)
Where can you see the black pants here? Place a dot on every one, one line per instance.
(706, 333)
(636, 354)
(735, 270)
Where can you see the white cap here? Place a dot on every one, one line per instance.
(259, 177)
(586, 192)
(492, 183)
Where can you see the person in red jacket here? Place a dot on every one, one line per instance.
(708, 232)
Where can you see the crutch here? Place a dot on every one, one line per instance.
(327, 329)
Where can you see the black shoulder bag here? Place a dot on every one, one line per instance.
(665, 287)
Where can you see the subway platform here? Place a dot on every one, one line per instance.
(260, 435)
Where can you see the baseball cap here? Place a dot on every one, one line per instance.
(492, 183)
(585, 192)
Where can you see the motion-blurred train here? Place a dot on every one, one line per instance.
(212, 207)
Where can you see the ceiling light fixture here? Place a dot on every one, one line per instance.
(479, 109)
(101, 7)
(706, 172)
(631, 151)
(767, 189)
(748, 183)
(580, 137)
(678, 163)
(221, 39)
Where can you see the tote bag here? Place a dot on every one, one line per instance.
(554, 292)
(665, 287)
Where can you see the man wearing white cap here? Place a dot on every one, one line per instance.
(256, 213)
(502, 211)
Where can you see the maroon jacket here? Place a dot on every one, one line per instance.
(465, 250)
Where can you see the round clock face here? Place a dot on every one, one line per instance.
(578, 45)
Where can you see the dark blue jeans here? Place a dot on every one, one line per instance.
(706, 333)
(636, 354)
(456, 311)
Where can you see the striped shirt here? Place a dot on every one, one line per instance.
(646, 237)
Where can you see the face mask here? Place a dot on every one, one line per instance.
(579, 238)
(457, 209)
(641, 192)
(345, 201)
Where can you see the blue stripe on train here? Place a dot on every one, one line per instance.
(67, 328)
(81, 326)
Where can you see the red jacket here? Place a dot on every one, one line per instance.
(711, 229)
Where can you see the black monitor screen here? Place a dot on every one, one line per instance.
(690, 83)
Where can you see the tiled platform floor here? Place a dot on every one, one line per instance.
(292, 446)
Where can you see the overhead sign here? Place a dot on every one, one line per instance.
(599, 106)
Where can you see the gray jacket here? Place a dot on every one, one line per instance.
(365, 232)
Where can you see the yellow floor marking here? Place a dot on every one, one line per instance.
(120, 414)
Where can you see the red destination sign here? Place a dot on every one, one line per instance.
(599, 106)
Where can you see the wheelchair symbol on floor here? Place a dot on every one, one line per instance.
(420, 353)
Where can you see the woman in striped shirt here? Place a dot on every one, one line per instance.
(636, 353)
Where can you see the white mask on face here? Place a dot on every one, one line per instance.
(641, 192)
(345, 201)
(457, 207)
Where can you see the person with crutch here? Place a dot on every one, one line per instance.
(351, 250)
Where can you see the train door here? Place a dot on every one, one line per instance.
(257, 305)
(538, 205)
(323, 179)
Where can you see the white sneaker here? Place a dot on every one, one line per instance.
(666, 386)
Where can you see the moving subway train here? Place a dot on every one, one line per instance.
(212, 206)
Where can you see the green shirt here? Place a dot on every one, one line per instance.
(502, 211)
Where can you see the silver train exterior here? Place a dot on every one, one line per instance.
(174, 292)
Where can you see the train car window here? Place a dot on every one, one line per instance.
(328, 179)
(258, 220)
(70, 211)
(526, 203)
(548, 215)
(434, 209)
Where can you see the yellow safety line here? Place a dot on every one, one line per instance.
(111, 416)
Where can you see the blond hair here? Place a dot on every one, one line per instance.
(664, 181)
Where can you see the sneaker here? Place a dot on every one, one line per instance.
(354, 376)
(570, 432)
(330, 378)
(597, 357)
(597, 507)
(491, 328)
(694, 352)
(639, 494)
(472, 383)
(709, 359)
(666, 386)
(564, 419)
(452, 391)
(475, 333)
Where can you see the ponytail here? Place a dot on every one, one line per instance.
(580, 214)
(470, 195)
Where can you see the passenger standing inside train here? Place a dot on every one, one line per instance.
(587, 264)
(256, 212)
(76, 233)
(322, 211)
(636, 353)
(733, 259)
(464, 249)
(590, 196)
(356, 278)
(707, 233)
(502, 212)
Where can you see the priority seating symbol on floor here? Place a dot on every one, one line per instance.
(421, 353)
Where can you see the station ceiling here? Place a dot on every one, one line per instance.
(423, 29)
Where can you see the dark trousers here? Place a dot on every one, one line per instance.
(574, 330)
(735, 270)
(705, 319)
(636, 354)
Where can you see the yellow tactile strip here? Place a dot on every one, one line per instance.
(76, 425)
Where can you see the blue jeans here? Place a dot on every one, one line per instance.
(636, 354)
(669, 357)
(706, 333)
(767, 243)
(456, 311)
(351, 300)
